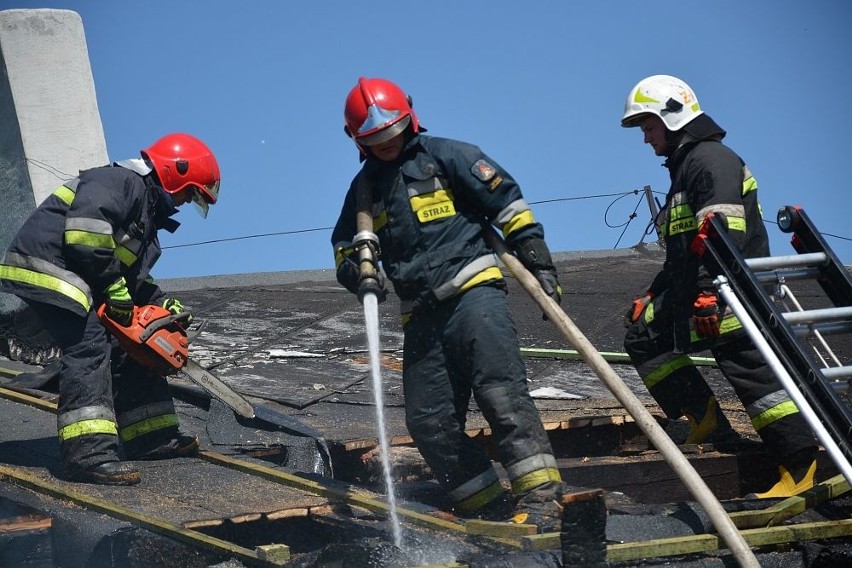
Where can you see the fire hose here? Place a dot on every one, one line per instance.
(646, 422)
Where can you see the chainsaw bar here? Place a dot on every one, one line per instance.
(217, 388)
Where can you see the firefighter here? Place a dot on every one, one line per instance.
(679, 313)
(94, 241)
(429, 199)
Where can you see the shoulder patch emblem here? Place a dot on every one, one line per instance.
(483, 170)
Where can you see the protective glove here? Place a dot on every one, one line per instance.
(175, 307)
(705, 315)
(119, 303)
(636, 309)
(550, 285)
(376, 285)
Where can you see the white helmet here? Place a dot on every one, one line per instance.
(668, 97)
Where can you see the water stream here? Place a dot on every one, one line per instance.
(371, 320)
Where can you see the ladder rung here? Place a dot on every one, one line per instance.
(823, 328)
(837, 372)
(789, 274)
(816, 316)
(788, 261)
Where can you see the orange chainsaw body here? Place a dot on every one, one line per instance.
(156, 338)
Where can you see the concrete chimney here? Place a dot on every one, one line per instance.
(50, 127)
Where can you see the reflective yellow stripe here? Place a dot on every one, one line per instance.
(749, 185)
(380, 221)
(736, 224)
(486, 275)
(65, 194)
(533, 479)
(339, 256)
(125, 256)
(432, 206)
(729, 324)
(46, 281)
(150, 425)
(87, 427)
(479, 499)
(89, 239)
(775, 413)
(665, 370)
(641, 97)
(649, 313)
(519, 221)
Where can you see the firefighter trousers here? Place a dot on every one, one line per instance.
(105, 398)
(468, 346)
(679, 387)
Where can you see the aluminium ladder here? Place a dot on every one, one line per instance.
(791, 338)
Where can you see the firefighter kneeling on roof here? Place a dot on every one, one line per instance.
(93, 242)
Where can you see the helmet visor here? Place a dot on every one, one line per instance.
(201, 204)
(204, 196)
(377, 118)
(381, 136)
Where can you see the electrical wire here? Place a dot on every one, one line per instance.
(61, 175)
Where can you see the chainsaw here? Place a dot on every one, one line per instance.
(157, 339)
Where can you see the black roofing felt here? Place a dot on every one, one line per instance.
(302, 343)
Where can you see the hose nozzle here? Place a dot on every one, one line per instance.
(366, 244)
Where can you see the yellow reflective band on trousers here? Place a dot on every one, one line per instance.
(88, 427)
(777, 412)
(146, 426)
(33, 278)
(665, 370)
(519, 221)
(729, 323)
(533, 479)
(479, 499)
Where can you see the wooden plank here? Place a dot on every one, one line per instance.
(337, 491)
(17, 517)
(23, 478)
(502, 530)
(29, 400)
(649, 478)
(25, 523)
(792, 506)
(697, 544)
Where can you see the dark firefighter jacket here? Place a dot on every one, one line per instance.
(707, 177)
(429, 208)
(89, 232)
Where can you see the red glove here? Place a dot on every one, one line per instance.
(639, 304)
(705, 315)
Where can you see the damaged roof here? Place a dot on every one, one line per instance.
(296, 341)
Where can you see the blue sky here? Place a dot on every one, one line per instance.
(539, 85)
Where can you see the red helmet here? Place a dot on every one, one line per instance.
(376, 111)
(180, 161)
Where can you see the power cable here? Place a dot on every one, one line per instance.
(61, 175)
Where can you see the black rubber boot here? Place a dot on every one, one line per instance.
(109, 473)
(498, 510)
(541, 507)
(180, 446)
